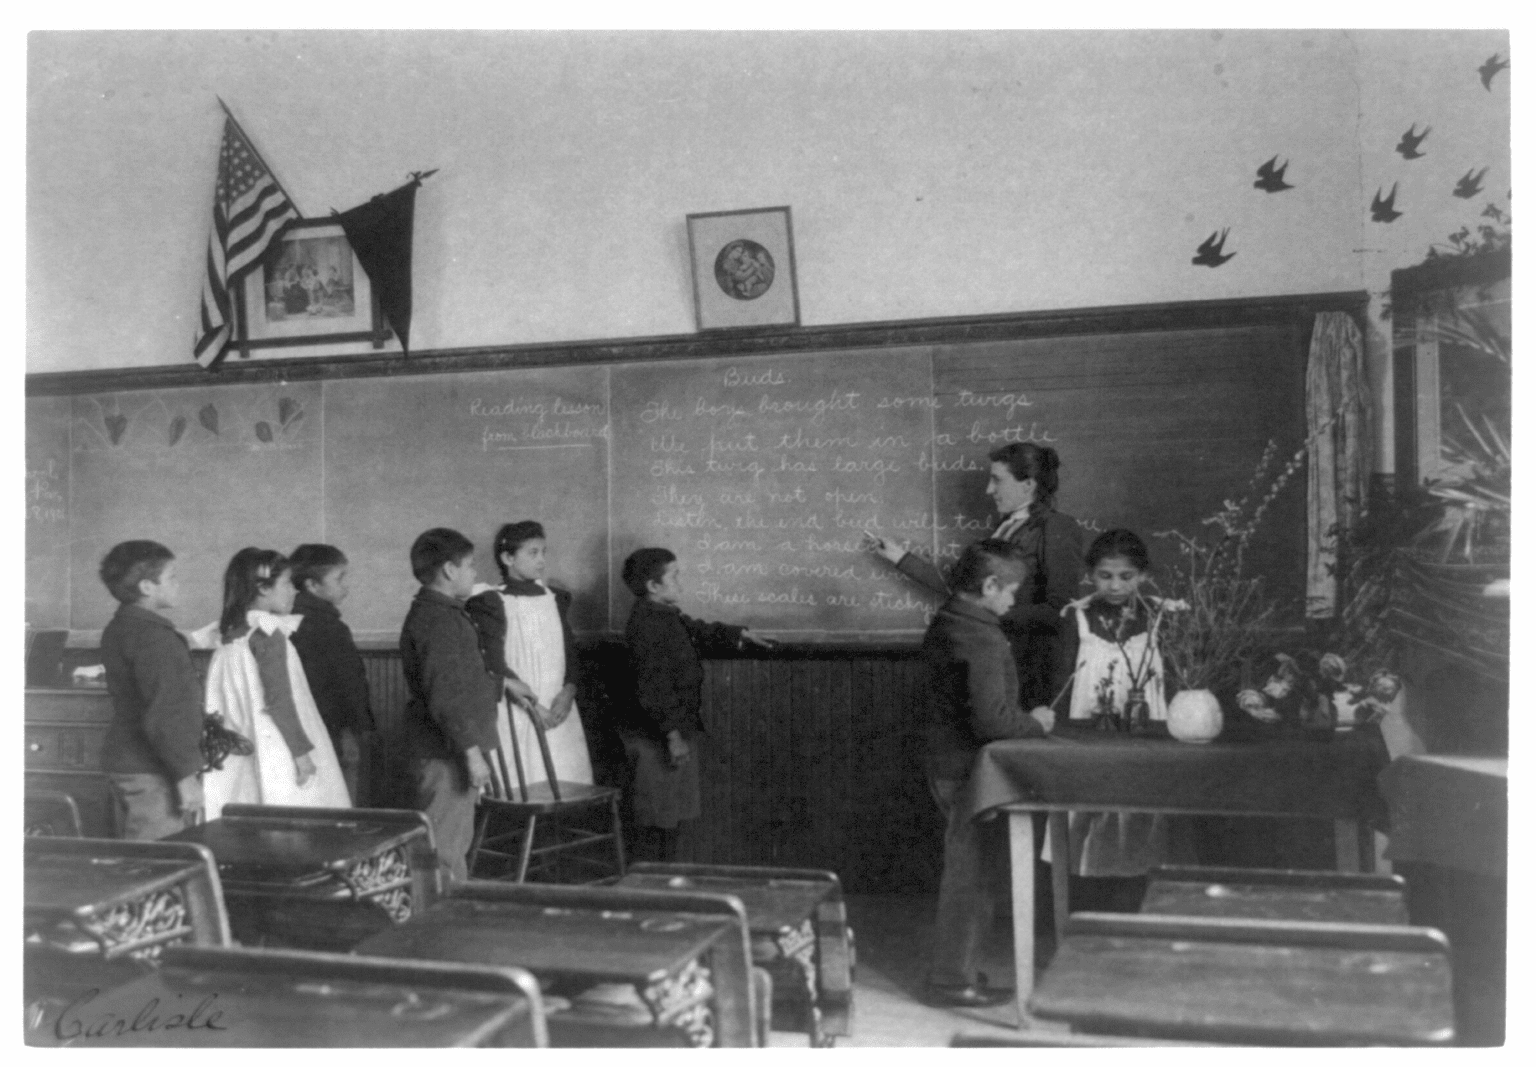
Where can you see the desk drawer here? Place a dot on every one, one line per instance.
(64, 747)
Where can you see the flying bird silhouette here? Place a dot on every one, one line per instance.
(1381, 210)
(1470, 184)
(1493, 65)
(1272, 178)
(1408, 147)
(1210, 251)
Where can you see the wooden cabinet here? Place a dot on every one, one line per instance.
(65, 730)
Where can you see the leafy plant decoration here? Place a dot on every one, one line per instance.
(209, 417)
(264, 432)
(178, 427)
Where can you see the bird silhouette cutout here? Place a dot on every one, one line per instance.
(1210, 251)
(1408, 147)
(1470, 184)
(1493, 65)
(1381, 209)
(1271, 177)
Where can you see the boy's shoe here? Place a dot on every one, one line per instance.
(964, 996)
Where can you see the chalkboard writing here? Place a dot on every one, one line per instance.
(761, 472)
(472, 452)
(47, 511)
(762, 475)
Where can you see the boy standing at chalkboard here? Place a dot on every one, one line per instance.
(660, 741)
(153, 754)
(973, 698)
(330, 657)
(450, 718)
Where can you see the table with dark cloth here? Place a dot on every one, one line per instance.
(1083, 770)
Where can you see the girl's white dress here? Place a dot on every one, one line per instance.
(535, 650)
(1118, 844)
(267, 776)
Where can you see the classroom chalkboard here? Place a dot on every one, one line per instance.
(760, 469)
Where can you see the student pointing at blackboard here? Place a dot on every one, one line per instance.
(660, 742)
(1022, 485)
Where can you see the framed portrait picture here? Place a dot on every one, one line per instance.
(309, 289)
(743, 268)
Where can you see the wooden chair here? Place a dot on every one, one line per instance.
(1251, 893)
(618, 964)
(799, 929)
(506, 819)
(49, 813)
(271, 998)
(1249, 981)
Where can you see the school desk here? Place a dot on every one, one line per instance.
(1250, 981)
(1083, 770)
(268, 998)
(114, 899)
(799, 930)
(689, 968)
(318, 878)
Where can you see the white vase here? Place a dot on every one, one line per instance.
(1194, 716)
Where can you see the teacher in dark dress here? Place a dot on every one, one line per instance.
(1022, 485)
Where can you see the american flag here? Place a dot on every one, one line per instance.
(249, 210)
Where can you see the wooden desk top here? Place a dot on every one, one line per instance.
(1234, 900)
(79, 884)
(219, 1009)
(772, 905)
(278, 851)
(618, 946)
(1248, 993)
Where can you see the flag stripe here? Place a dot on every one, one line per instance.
(249, 211)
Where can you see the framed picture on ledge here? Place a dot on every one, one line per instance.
(743, 269)
(309, 289)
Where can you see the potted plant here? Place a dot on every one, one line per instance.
(1223, 612)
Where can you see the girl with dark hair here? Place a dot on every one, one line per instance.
(1022, 483)
(525, 636)
(256, 681)
(1118, 678)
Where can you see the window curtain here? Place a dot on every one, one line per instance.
(1339, 451)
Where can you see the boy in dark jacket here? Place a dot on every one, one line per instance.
(450, 718)
(330, 657)
(664, 648)
(152, 755)
(973, 698)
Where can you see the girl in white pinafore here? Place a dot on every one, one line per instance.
(526, 638)
(1116, 655)
(256, 681)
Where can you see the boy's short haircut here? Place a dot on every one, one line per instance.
(644, 566)
(132, 562)
(991, 557)
(435, 549)
(311, 563)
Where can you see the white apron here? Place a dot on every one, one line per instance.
(267, 776)
(535, 650)
(1119, 844)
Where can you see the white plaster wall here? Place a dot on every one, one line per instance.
(929, 173)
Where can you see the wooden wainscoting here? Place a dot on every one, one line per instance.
(813, 759)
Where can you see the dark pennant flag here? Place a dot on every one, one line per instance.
(380, 233)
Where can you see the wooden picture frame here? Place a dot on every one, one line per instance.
(743, 269)
(309, 289)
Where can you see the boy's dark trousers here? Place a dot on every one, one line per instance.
(443, 792)
(147, 806)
